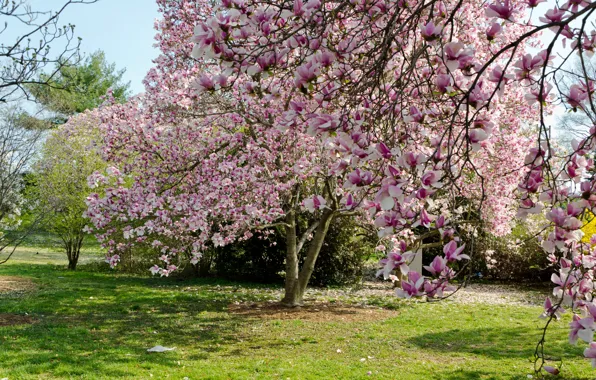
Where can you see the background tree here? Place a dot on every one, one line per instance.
(22, 58)
(59, 180)
(31, 52)
(75, 88)
(575, 121)
(18, 146)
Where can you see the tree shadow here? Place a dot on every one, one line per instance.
(498, 344)
(88, 323)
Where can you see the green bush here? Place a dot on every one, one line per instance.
(256, 259)
(340, 261)
(517, 256)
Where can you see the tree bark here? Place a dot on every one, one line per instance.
(73, 251)
(291, 261)
(297, 280)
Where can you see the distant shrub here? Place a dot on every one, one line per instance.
(340, 260)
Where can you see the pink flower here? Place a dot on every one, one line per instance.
(536, 95)
(476, 136)
(457, 57)
(411, 160)
(444, 83)
(412, 287)
(360, 178)
(553, 15)
(306, 73)
(550, 369)
(493, 31)
(527, 64)
(349, 201)
(502, 10)
(574, 5)
(453, 252)
(590, 353)
(425, 219)
(576, 96)
(550, 309)
(440, 223)
(437, 266)
(384, 151)
(430, 32)
(432, 178)
(205, 83)
(395, 260)
(314, 203)
(582, 328)
(322, 123)
(415, 115)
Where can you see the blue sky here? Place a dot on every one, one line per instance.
(123, 29)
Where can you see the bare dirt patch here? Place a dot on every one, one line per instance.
(7, 319)
(14, 284)
(317, 312)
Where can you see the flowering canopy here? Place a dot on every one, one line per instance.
(410, 107)
(414, 97)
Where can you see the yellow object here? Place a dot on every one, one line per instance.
(589, 228)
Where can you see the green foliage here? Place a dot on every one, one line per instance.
(347, 246)
(340, 260)
(256, 259)
(58, 184)
(76, 88)
(515, 257)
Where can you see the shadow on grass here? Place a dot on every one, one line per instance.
(497, 344)
(484, 375)
(103, 324)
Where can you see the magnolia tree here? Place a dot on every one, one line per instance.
(209, 156)
(377, 83)
(199, 172)
(197, 183)
(427, 86)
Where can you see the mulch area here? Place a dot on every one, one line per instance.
(8, 319)
(317, 312)
(11, 284)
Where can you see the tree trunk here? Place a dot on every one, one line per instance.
(72, 264)
(296, 281)
(291, 261)
(73, 251)
(204, 265)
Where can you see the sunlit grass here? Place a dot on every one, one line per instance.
(99, 325)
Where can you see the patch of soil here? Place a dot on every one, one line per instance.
(11, 284)
(7, 319)
(317, 312)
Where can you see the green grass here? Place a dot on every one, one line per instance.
(99, 325)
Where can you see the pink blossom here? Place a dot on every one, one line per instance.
(412, 287)
(502, 10)
(453, 252)
(590, 353)
(553, 16)
(493, 31)
(551, 310)
(430, 32)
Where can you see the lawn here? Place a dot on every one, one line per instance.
(100, 324)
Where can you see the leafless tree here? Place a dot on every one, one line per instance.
(18, 146)
(23, 57)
